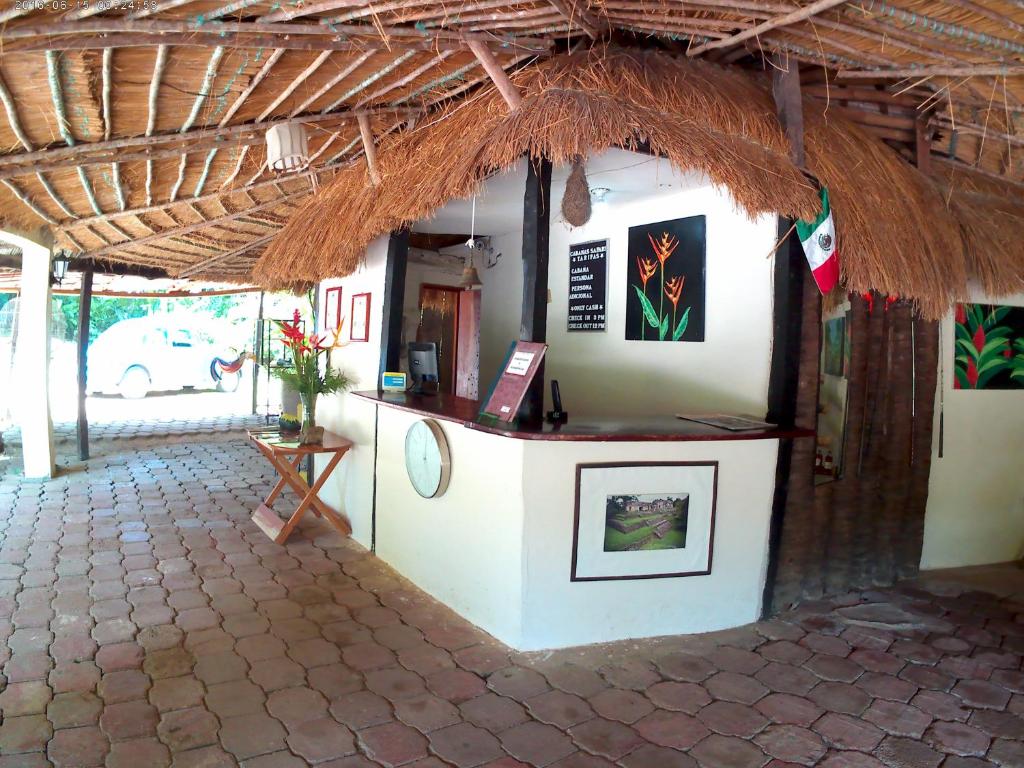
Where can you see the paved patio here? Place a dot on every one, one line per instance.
(113, 418)
(148, 622)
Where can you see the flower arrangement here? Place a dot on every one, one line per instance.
(659, 319)
(305, 376)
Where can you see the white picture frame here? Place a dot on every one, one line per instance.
(644, 520)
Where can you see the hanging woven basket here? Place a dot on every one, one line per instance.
(576, 200)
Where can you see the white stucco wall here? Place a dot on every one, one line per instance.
(350, 488)
(464, 548)
(728, 371)
(497, 546)
(975, 508)
(559, 612)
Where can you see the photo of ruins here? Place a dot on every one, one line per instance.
(646, 522)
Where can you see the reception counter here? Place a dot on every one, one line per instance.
(500, 545)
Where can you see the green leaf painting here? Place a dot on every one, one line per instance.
(988, 347)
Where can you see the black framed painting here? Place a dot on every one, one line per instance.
(665, 291)
(988, 351)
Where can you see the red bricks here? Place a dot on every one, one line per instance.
(149, 624)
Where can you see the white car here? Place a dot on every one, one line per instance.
(158, 353)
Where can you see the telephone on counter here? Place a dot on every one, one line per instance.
(557, 416)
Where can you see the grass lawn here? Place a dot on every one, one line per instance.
(616, 541)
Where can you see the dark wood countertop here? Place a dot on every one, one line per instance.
(593, 429)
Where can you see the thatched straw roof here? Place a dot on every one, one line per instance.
(134, 131)
(897, 234)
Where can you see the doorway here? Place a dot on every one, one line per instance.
(439, 323)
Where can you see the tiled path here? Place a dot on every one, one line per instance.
(65, 433)
(148, 623)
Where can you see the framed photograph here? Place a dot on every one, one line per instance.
(644, 520)
(332, 309)
(665, 275)
(833, 346)
(359, 328)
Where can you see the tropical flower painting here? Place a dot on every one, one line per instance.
(665, 291)
(988, 349)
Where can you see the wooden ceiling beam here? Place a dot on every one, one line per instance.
(351, 67)
(90, 153)
(905, 73)
(119, 32)
(257, 79)
(105, 88)
(12, 118)
(63, 126)
(159, 64)
(403, 81)
(497, 74)
(186, 228)
(576, 12)
(782, 20)
(204, 265)
(28, 202)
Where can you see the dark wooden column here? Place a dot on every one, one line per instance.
(84, 312)
(534, 325)
(789, 276)
(394, 299)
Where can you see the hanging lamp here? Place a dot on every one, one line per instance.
(287, 148)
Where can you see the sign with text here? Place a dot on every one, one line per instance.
(588, 286)
(507, 393)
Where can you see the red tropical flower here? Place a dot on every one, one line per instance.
(647, 269)
(979, 339)
(961, 314)
(972, 373)
(664, 247)
(674, 289)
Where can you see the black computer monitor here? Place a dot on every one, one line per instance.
(422, 365)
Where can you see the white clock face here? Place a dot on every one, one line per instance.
(426, 459)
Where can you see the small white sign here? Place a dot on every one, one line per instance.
(520, 363)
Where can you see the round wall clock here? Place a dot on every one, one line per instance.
(427, 460)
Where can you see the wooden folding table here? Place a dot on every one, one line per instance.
(286, 454)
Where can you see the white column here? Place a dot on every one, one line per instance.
(32, 360)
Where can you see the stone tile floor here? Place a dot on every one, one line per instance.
(65, 433)
(149, 623)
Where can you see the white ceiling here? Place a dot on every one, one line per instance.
(499, 208)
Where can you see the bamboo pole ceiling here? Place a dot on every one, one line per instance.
(135, 129)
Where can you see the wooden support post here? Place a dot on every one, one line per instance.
(789, 276)
(369, 148)
(534, 325)
(923, 144)
(84, 312)
(394, 300)
(789, 103)
(497, 73)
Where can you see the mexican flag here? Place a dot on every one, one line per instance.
(818, 238)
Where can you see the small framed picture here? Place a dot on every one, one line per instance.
(332, 309)
(359, 328)
(644, 520)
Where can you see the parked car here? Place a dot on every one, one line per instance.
(159, 353)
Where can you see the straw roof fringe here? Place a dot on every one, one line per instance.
(697, 115)
(991, 217)
(897, 233)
